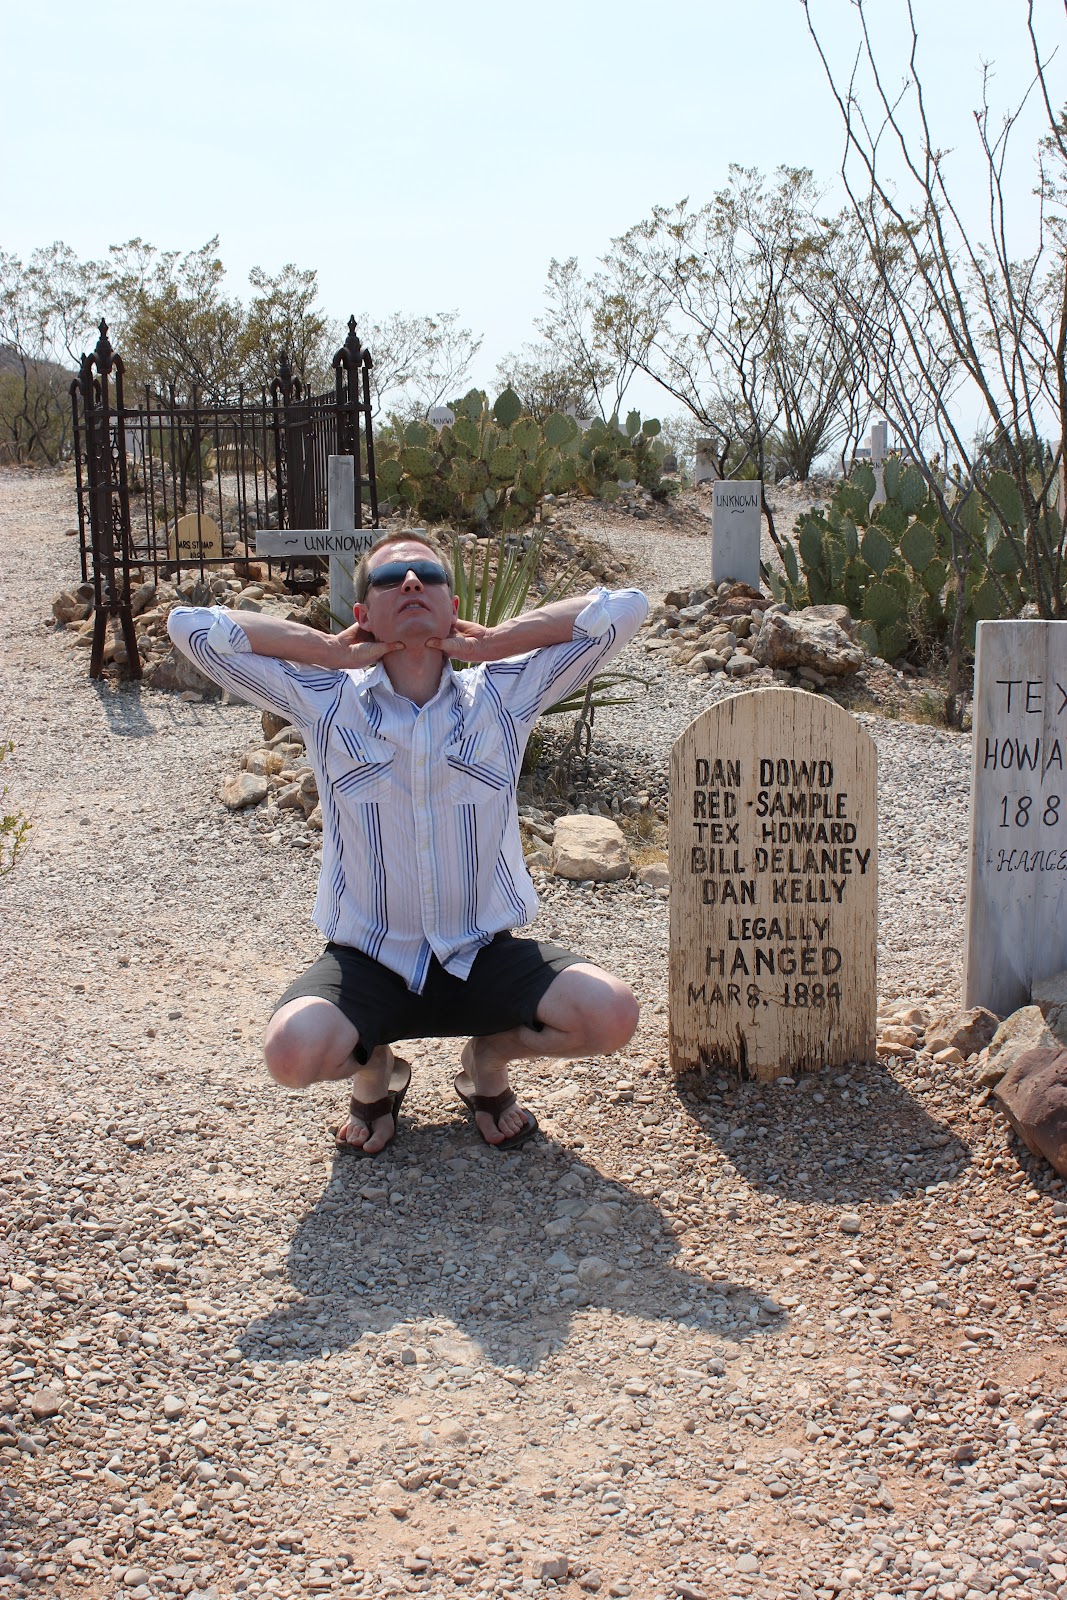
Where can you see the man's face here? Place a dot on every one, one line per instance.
(412, 612)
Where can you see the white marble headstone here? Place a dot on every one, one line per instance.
(1017, 898)
(736, 507)
(704, 467)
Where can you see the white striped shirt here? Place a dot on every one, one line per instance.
(421, 854)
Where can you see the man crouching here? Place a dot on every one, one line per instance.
(422, 876)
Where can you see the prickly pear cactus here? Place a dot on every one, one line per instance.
(489, 470)
(890, 563)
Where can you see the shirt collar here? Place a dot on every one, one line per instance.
(375, 679)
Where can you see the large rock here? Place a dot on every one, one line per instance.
(143, 597)
(832, 612)
(965, 1031)
(589, 847)
(790, 639)
(1033, 1096)
(176, 672)
(739, 599)
(1025, 1030)
(1050, 996)
(243, 789)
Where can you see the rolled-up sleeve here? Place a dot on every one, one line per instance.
(527, 684)
(218, 647)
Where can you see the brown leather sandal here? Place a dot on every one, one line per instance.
(496, 1105)
(387, 1105)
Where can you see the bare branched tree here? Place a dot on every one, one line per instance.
(602, 351)
(176, 327)
(284, 315)
(419, 361)
(729, 319)
(957, 312)
(44, 322)
(546, 380)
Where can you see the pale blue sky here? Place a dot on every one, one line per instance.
(425, 156)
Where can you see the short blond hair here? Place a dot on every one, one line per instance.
(412, 536)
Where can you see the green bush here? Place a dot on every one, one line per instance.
(891, 564)
(489, 471)
(14, 826)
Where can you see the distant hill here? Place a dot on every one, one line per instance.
(11, 362)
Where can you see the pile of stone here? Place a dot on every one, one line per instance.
(1020, 1060)
(277, 769)
(244, 586)
(733, 630)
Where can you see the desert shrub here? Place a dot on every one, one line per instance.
(14, 826)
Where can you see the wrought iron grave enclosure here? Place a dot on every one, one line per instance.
(252, 462)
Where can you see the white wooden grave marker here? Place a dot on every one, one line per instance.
(774, 887)
(1017, 898)
(343, 542)
(735, 531)
(879, 445)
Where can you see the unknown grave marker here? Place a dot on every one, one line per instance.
(1017, 897)
(774, 887)
(735, 531)
(342, 541)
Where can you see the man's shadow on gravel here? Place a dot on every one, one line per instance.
(837, 1138)
(506, 1247)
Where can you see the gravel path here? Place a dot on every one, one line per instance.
(780, 1342)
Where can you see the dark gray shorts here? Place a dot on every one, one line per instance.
(505, 985)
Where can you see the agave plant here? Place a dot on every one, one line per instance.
(500, 590)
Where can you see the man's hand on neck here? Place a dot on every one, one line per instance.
(413, 668)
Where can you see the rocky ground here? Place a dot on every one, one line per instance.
(770, 1341)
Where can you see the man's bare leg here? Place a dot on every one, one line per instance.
(584, 1011)
(311, 1041)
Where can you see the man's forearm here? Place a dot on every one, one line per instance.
(287, 641)
(533, 630)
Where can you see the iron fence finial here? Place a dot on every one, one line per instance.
(284, 380)
(350, 353)
(103, 351)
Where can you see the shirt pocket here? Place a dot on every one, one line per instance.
(478, 770)
(360, 764)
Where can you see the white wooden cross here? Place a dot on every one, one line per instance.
(879, 445)
(342, 541)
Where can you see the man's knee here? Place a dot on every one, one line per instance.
(286, 1060)
(599, 1008)
(303, 1039)
(618, 1017)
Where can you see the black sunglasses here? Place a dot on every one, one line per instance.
(391, 574)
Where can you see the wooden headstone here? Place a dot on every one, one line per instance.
(1017, 898)
(194, 538)
(774, 887)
